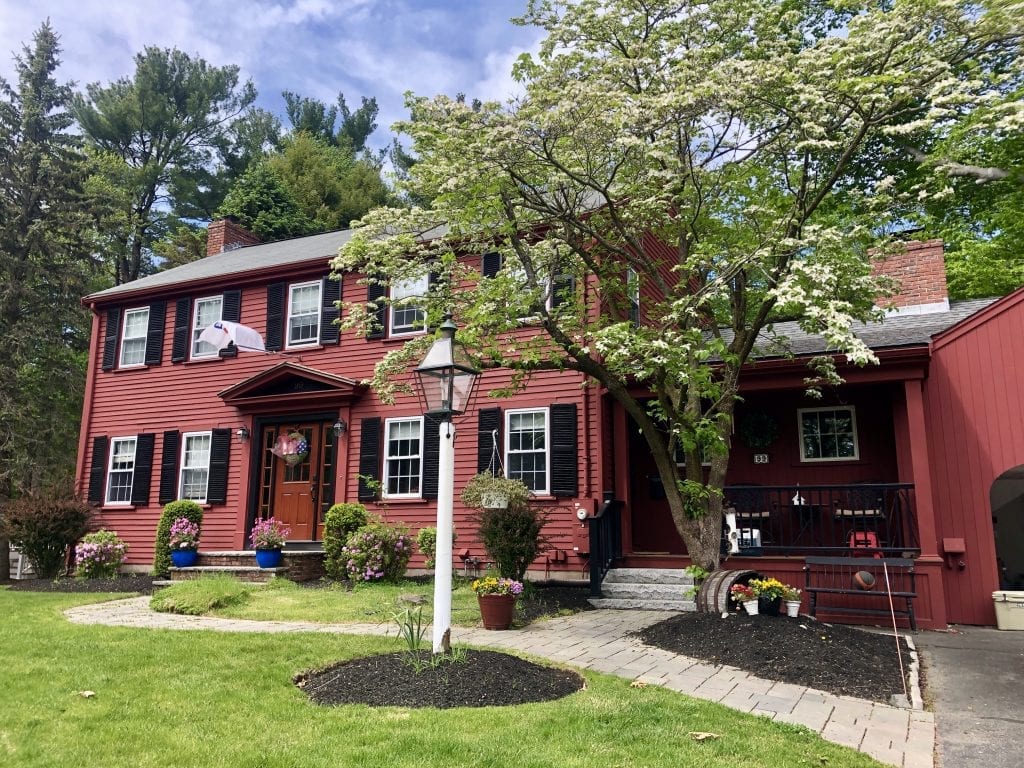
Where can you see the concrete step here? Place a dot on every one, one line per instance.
(241, 572)
(649, 576)
(629, 604)
(645, 591)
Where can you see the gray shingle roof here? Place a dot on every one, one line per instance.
(895, 331)
(237, 262)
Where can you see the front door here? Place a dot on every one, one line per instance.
(296, 493)
(654, 531)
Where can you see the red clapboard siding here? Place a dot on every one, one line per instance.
(974, 402)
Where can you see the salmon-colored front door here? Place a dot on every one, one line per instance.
(296, 491)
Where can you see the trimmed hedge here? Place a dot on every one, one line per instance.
(340, 522)
(162, 551)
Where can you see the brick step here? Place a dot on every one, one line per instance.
(302, 565)
(636, 604)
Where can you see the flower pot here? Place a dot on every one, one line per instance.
(750, 607)
(268, 558)
(497, 610)
(792, 608)
(769, 606)
(184, 558)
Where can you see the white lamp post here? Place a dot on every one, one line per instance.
(446, 380)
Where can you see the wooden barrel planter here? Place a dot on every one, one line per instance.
(713, 596)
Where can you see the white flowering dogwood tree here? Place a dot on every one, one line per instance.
(720, 160)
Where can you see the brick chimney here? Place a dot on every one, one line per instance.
(227, 234)
(919, 270)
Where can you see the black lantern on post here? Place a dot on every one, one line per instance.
(446, 376)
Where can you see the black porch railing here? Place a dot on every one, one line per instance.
(605, 542)
(808, 519)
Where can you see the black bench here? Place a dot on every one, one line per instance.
(835, 576)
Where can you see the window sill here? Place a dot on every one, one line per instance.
(300, 350)
(202, 360)
(403, 500)
(118, 508)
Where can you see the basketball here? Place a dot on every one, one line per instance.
(864, 580)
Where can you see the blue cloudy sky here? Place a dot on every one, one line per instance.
(317, 48)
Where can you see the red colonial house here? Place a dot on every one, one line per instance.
(921, 456)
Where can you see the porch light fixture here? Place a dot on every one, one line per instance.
(242, 433)
(446, 380)
(339, 428)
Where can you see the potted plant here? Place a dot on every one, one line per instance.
(268, 537)
(497, 600)
(184, 542)
(769, 595)
(791, 599)
(745, 596)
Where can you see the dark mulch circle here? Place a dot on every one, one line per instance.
(131, 582)
(482, 679)
(836, 658)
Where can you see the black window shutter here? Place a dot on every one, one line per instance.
(220, 452)
(143, 475)
(374, 293)
(564, 288)
(488, 422)
(231, 306)
(111, 337)
(490, 264)
(155, 332)
(330, 294)
(169, 467)
(98, 469)
(431, 452)
(182, 323)
(564, 456)
(369, 457)
(275, 317)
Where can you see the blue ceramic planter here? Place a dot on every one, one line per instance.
(184, 558)
(268, 558)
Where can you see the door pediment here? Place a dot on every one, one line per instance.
(290, 385)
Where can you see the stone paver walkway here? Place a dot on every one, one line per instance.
(599, 640)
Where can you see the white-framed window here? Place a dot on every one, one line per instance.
(518, 274)
(527, 448)
(195, 466)
(303, 314)
(705, 456)
(828, 434)
(121, 470)
(205, 312)
(633, 292)
(133, 337)
(407, 314)
(403, 457)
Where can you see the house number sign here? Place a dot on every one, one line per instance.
(760, 458)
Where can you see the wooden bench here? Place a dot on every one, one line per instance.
(835, 576)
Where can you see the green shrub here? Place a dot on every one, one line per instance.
(426, 543)
(512, 537)
(340, 522)
(196, 597)
(377, 552)
(100, 555)
(43, 525)
(162, 551)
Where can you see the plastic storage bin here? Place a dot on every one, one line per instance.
(1009, 609)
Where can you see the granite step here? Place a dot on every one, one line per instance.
(646, 591)
(649, 576)
(635, 604)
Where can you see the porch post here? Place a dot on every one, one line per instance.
(623, 491)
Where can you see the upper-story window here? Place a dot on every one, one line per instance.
(205, 313)
(527, 456)
(303, 314)
(403, 457)
(195, 466)
(407, 313)
(121, 470)
(633, 291)
(828, 434)
(133, 337)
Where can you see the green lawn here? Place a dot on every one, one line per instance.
(171, 699)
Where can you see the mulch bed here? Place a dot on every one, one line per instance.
(836, 658)
(482, 679)
(132, 582)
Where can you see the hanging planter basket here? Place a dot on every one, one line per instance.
(494, 500)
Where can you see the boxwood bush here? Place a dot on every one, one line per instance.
(162, 551)
(340, 522)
